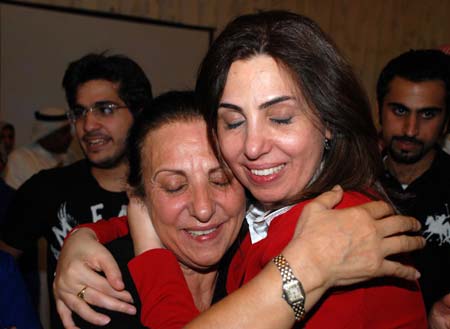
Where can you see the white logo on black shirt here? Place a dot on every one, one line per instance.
(438, 228)
(66, 223)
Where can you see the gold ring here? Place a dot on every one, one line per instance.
(82, 292)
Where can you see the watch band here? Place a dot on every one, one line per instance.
(293, 292)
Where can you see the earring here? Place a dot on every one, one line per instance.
(327, 144)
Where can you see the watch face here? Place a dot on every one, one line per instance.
(292, 292)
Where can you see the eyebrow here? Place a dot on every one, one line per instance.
(420, 110)
(168, 170)
(263, 106)
(101, 102)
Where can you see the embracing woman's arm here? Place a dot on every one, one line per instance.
(363, 238)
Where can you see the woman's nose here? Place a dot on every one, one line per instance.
(256, 142)
(203, 205)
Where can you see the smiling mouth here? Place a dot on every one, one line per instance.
(268, 171)
(201, 233)
(93, 142)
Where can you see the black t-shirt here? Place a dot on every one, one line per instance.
(428, 199)
(53, 202)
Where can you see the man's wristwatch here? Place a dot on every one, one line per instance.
(293, 292)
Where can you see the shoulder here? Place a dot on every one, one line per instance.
(77, 168)
(440, 170)
(353, 198)
(350, 198)
(61, 175)
(20, 153)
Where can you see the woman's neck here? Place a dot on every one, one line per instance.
(201, 285)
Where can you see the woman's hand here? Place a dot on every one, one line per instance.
(345, 246)
(81, 258)
(141, 227)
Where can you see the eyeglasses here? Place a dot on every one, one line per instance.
(100, 110)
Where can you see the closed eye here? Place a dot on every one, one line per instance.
(175, 189)
(234, 125)
(218, 177)
(282, 121)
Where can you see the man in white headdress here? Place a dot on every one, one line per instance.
(51, 138)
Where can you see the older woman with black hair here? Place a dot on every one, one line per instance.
(287, 116)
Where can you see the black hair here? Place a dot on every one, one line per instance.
(416, 66)
(320, 72)
(134, 87)
(172, 106)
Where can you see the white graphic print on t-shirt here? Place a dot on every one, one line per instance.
(438, 228)
(66, 222)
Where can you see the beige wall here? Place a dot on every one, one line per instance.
(369, 32)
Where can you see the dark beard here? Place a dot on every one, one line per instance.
(109, 163)
(405, 157)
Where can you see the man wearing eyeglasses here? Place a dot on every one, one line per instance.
(104, 94)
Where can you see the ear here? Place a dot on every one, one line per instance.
(328, 134)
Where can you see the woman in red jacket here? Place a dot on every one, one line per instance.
(290, 120)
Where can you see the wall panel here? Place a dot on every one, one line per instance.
(37, 44)
(369, 32)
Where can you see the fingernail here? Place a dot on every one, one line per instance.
(336, 188)
(417, 276)
(131, 310)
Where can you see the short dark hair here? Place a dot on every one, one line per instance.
(172, 106)
(416, 66)
(323, 76)
(134, 87)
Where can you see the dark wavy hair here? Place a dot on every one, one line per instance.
(416, 66)
(326, 80)
(134, 87)
(170, 107)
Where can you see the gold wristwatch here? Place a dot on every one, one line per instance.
(293, 292)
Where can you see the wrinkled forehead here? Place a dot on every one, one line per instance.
(178, 145)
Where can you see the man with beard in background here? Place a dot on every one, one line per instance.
(413, 103)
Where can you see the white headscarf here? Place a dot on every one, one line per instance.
(47, 121)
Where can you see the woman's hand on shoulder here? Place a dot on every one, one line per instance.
(346, 246)
(78, 282)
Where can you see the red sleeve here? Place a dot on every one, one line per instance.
(107, 230)
(166, 300)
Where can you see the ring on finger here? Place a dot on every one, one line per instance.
(82, 292)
